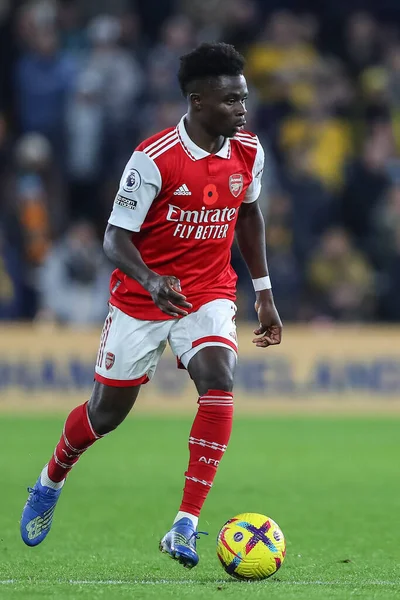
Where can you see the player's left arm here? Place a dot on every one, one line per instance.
(250, 236)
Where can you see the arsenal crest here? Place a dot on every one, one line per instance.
(236, 184)
(110, 360)
(233, 335)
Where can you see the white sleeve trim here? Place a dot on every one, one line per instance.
(140, 184)
(254, 189)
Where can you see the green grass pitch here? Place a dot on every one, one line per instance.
(332, 484)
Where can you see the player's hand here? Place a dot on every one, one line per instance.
(270, 330)
(166, 293)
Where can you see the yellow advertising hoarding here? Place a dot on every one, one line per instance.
(338, 369)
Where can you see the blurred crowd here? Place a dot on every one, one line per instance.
(83, 82)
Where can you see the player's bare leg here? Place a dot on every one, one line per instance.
(212, 370)
(109, 406)
(106, 409)
(213, 367)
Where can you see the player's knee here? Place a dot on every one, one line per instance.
(103, 422)
(108, 406)
(223, 382)
(213, 368)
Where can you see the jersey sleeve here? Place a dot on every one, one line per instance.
(140, 184)
(254, 189)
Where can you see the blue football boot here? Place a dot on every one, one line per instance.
(37, 515)
(180, 543)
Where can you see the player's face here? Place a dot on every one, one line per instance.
(223, 105)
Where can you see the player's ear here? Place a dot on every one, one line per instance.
(195, 101)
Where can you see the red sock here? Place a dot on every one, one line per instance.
(208, 440)
(77, 436)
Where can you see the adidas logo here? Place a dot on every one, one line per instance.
(183, 190)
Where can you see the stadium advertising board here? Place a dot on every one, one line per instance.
(339, 368)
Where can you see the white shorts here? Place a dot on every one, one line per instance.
(131, 348)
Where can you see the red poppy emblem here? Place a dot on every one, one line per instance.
(210, 194)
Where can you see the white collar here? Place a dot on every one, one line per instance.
(194, 151)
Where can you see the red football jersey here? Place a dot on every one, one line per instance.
(181, 204)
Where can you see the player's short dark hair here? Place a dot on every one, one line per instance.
(209, 60)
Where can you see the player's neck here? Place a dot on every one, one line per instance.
(201, 138)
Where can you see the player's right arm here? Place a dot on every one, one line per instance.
(139, 186)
